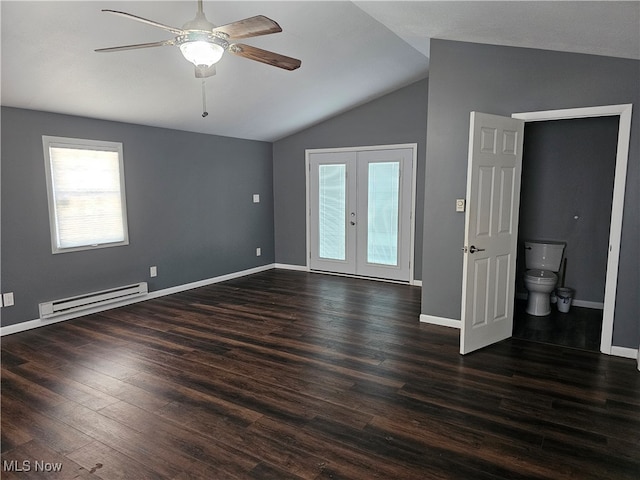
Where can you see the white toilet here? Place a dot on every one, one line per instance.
(542, 260)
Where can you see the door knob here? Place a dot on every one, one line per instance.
(473, 249)
(352, 222)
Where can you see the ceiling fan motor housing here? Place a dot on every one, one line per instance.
(199, 36)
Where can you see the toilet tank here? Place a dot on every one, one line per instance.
(543, 255)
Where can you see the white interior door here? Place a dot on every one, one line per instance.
(491, 230)
(360, 212)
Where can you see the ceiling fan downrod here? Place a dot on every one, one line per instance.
(204, 101)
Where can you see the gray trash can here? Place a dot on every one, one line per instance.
(564, 295)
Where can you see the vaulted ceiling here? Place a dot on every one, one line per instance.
(351, 52)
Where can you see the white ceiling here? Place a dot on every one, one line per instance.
(351, 52)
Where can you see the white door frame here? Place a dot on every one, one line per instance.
(617, 209)
(412, 236)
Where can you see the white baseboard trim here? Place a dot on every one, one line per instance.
(442, 321)
(574, 301)
(305, 268)
(624, 352)
(588, 304)
(38, 322)
(208, 281)
(286, 266)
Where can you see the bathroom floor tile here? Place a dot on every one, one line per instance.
(579, 328)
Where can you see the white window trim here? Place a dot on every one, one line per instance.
(51, 141)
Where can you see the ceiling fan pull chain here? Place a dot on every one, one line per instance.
(204, 101)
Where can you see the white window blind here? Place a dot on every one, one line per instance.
(85, 184)
(332, 206)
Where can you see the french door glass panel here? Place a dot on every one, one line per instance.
(382, 216)
(332, 204)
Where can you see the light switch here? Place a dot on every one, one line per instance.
(460, 205)
(153, 271)
(256, 198)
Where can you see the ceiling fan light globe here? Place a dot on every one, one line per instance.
(202, 53)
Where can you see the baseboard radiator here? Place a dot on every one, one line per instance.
(90, 301)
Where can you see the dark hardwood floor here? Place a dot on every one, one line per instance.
(290, 375)
(579, 328)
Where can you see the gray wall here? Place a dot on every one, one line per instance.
(568, 171)
(399, 117)
(189, 205)
(503, 80)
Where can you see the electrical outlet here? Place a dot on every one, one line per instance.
(153, 271)
(7, 299)
(256, 198)
(258, 252)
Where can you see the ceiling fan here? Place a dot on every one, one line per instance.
(203, 44)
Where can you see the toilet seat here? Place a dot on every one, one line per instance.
(541, 277)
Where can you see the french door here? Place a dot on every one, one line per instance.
(360, 211)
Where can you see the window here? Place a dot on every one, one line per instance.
(85, 187)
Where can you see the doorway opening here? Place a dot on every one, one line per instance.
(623, 114)
(566, 196)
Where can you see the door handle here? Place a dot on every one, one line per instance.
(473, 249)
(352, 222)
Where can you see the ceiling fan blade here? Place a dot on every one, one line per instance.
(204, 72)
(175, 30)
(264, 56)
(133, 47)
(250, 27)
